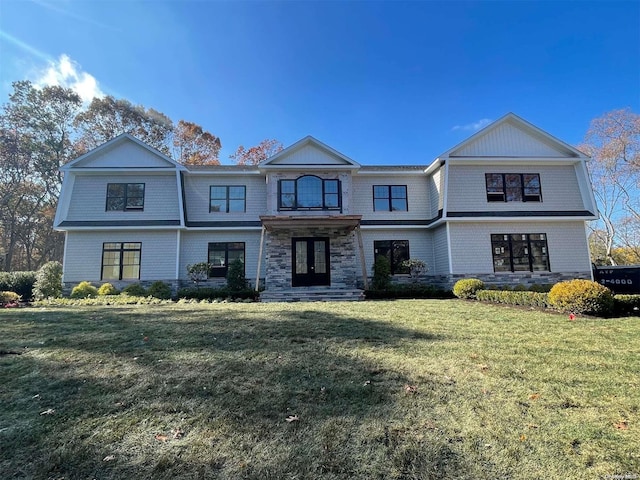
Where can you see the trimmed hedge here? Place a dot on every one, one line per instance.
(408, 291)
(208, 293)
(467, 287)
(160, 290)
(581, 296)
(626, 305)
(514, 297)
(135, 290)
(18, 282)
(101, 300)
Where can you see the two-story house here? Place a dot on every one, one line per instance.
(508, 205)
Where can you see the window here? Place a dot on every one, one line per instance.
(226, 199)
(520, 252)
(513, 187)
(390, 198)
(396, 251)
(121, 261)
(309, 193)
(221, 254)
(125, 196)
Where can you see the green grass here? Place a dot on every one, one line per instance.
(382, 390)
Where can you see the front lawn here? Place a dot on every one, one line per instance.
(367, 390)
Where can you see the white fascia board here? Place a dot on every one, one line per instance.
(223, 172)
(122, 170)
(390, 173)
(180, 198)
(220, 229)
(435, 165)
(109, 229)
(395, 227)
(584, 218)
(313, 167)
(512, 160)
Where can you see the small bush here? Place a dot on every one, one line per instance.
(84, 290)
(8, 298)
(412, 290)
(101, 300)
(514, 297)
(107, 289)
(236, 280)
(626, 305)
(18, 282)
(541, 287)
(48, 282)
(581, 296)
(135, 290)
(381, 273)
(467, 287)
(160, 290)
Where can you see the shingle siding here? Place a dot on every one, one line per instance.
(418, 198)
(440, 251)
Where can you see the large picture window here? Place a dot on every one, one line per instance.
(121, 261)
(125, 196)
(227, 198)
(221, 254)
(520, 252)
(390, 198)
(396, 251)
(513, 187)
(309, 193)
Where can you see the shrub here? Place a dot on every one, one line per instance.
(467, 287)
(9, 297)
(412, 290)
(416, 268)
(626, 305)
(101, 300)
(381, 273)
(18, 282)
(514, 297)
(107, 289)
(236, 279)
(198, 272)
(84, 290)
(581, 296)
(135, 290)
(160, 290)
(541, 287)
(48, 282)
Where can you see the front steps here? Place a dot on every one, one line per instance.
(313, 294)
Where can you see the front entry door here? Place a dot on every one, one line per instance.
(310, 261)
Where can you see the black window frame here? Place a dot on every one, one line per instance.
(392, 246)
(390, 198)
(125, 197)
(227, 198)
(222, 270)
(326, 195)
(121, 255)
(511, 252)
(510, 190)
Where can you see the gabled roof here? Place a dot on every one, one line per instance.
(116, 142)
(548, 145)
(309, 152)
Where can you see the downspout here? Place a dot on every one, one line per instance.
(260, 258)
(363, 263)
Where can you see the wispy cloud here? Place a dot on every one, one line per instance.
(24, 46)
(69, 74)
(475, 126)
(70, 13)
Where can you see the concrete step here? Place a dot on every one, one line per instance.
(312, 294)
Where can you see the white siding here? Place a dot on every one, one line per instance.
(435, 183)
(467, 190)
(471, 244)
(508, 140)
(89, 198)
(126, 154)
(440, 251)
(197, 197)
(418, 197)
(309, 155)
(83, 260)
(195, 249)
(420, 246)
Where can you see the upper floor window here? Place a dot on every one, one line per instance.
(227, 198)
(125, 196)
(221, 254)
(513, 187)
(121, 261)
(520, 252)
(396, 251)
(390, 198)
(309, 193)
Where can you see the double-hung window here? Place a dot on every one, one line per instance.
(227, 198)
(513, 187)
(390, 198)
(520, 252)
(121, 260)
(309, 193)
(125, 196)
(396, 251)
(221, 254)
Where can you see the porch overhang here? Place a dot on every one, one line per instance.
(290, 222)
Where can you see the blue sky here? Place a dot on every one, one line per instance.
(381, 82)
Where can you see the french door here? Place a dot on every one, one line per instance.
(310, 261)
